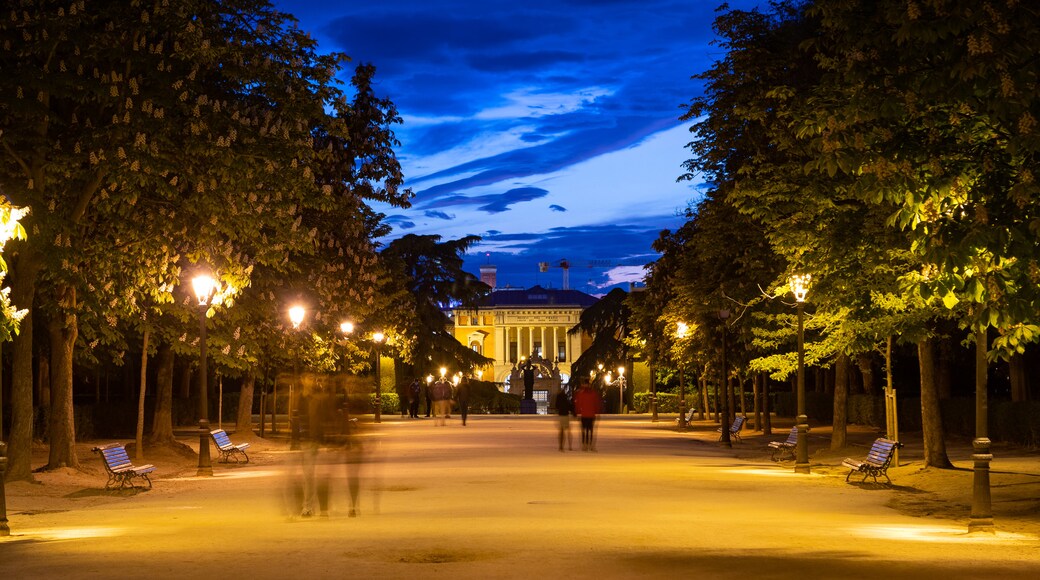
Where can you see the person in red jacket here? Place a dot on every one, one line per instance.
(587, 404)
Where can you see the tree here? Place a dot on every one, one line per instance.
(199, 119)
(425, 276)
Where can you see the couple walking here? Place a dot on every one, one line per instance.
(586, 405)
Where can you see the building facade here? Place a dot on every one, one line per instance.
(511, 324)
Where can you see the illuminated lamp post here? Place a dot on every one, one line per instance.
(377, 339)
(621, 389)
(296, 316)
(347, 328)
(981, 517)
(800, 287)
(205, 288)
(5, 530)
(724, 384)
(682, 330)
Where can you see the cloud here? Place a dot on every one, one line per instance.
(400, 221)
(438, 215)
(491, 203)
(555, 207)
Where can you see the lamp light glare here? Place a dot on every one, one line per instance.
(800, 285)
(296, 314)
(205, 287)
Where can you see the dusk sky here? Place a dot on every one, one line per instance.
(548, 128)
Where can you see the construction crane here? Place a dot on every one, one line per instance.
(566, 266)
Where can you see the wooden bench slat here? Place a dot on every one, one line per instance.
(119, 467)
(228, 449)
(876, 462)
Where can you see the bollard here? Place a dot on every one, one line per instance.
(5, 530)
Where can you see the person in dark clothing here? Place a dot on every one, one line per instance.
(462, 398)
(564, 409)
(429, 395)
(414, 394)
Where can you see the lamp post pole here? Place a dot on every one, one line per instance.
(621, 390)
(653, 395)
(681, 330)
(5, 530)
(205, 466)
(981, 518)
(800, 286)
(205, 287)
(296, 315)
(347, 328)
(724, 384)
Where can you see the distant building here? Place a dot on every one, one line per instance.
(511, 323)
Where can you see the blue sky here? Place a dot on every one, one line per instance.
(547, 127)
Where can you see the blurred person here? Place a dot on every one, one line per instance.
(462, 397)
(587, 404)
(441, 395)
(564, 409)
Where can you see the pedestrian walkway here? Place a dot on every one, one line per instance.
(496, 499)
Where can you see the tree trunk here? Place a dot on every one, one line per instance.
(865, 363)
(766, 406)
(755, 395)
(244, 418)
(704, 399)
(931, 417)
(1017, 370)
(185, 384)
(162, 421)
(839, 426)
(62, 331)
(944, 370)
(19, 451)
(139, 440)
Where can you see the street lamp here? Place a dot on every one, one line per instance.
(205, 288)
(347, 328)
(621, 390)
(681, 332)
(296, 316)
(378, 338)
(726, 398)
(800, 287)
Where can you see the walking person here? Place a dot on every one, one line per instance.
(564, 409)
(587, 404)
(440, 392)
(462, 398)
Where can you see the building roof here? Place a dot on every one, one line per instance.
(536, 296)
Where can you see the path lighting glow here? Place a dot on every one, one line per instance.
(444, 371)
(480, 375)
(205, 287)
(682, 330)
(346, 327)
(800, 285)
(296, 314)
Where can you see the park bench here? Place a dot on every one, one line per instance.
(734, 429)
(877, 461)
(786, 447)
(689, 417)
(120, 469)
(228, 449)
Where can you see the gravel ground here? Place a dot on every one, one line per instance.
(496, 499)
